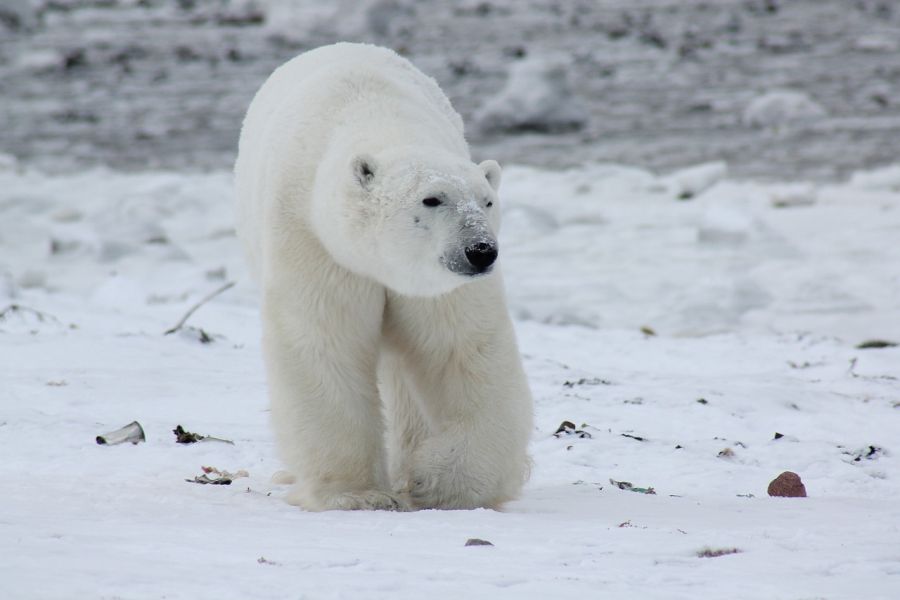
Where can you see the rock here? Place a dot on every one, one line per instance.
(477, 542)
(787, 485)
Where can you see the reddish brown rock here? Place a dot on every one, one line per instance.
(787, 485)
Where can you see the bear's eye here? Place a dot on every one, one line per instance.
(490, 204)
(431, 202)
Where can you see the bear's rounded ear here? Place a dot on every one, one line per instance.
(491, 172)
(364, 169)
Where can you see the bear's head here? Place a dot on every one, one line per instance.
(419, 221)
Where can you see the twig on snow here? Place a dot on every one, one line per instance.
(18, 308)
(194, 308)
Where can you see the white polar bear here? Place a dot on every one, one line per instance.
(374, 237)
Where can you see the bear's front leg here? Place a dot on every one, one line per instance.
(320, 341)
(462, 363)
(475, 460)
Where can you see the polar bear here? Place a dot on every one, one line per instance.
(394, 376)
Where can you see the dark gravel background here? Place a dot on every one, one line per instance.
(142, 84)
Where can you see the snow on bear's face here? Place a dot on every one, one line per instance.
(420, 222)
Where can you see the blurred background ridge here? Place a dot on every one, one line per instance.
(800, 89)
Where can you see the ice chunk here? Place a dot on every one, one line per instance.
(693, 181)
(794, 194)
(780, 107)
(885, 178)
(876, 43)
(8, 162)
(725, 223)
(537, 97)
(351, 20)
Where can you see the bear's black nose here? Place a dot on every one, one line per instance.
(481, 255)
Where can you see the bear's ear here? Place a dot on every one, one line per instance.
(491, 173)
(364, 170)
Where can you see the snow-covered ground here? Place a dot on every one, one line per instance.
(753, 298)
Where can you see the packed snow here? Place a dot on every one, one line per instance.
(701, 334)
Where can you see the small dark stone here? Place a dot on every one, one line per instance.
(477, 542)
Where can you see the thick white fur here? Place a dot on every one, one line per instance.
(395, 382)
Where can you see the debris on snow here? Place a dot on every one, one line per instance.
(569, 428)
(867, 453)
(187, 437)
(629, 487)
(194, 308)
(584, 381)
(218, 477)
(870, 344)
(716, 552)
(596, 484)
(787, 485)
(24, 317)
(852, 371)
(198, 334)
(133, 432)
(477, 542)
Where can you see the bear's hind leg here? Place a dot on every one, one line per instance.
(321, 348)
